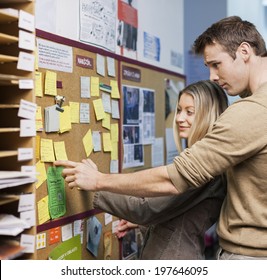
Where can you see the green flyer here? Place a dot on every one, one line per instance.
(56, 192)
(68, 250)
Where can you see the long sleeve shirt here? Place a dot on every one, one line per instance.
(236, 145)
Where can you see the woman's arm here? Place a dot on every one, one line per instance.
(146, 211)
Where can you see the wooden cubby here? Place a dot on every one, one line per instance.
(10, 96)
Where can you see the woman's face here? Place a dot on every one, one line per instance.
(185, 114)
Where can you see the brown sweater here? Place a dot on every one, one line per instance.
(237, 145)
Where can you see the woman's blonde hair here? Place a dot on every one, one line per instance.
(210, 101)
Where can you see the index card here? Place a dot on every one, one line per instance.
(27, 128)
(26, 21)
(27, 109)
(25, 61)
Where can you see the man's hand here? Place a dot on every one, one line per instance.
(82, 175)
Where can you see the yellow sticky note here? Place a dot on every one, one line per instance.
(114, 151)
(94, 86)
(37, 146)
(107, 142)
(65, 120)
(115, 93)
(106, 121)
(99, 109)
(39, 119)
(38, 84)
(47, 151)
(51, 83)
(41, 173)
(75, 112)
(88, 143)
(114, 132)
(60, 150)
(43, 212)
(36, 60)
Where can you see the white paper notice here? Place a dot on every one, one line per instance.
(85, 87)
(25, 154)
(27, 128)
(111, 66)
(78, 228)
(66, 232)
(171, 148)
(100, 65)
(106, 100)
(54, 56)
(157, 152)
(115, 109)
(108, 218)
(115, 225)
(27, 109)
(98, 23)
(26, 21)
(84, 113)
(96, 141)
(26, 61)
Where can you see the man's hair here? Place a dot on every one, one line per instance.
(230, 32)
(210, 101)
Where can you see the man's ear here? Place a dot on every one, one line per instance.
(245, 50)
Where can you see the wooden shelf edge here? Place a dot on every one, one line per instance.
(9, 129)
(8, 39)
(9, 106)
(5, 199)
(8, 153)
(8, 58)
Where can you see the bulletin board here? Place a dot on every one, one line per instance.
(155, 79)
(79, 204)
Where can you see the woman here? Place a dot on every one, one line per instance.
(177, 224)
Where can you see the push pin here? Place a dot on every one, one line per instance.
(59, 102)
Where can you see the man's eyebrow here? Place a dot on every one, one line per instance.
(209, 62)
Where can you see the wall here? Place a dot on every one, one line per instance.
(198, 16)
(158, 19)
(252, 11)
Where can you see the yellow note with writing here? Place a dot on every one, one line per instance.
(60, 150)
(47, 151)
(99, 109)
(51, 83)
(88, 143)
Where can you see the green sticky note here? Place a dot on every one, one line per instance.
(56, 192)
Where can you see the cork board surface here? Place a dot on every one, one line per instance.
(76, 201)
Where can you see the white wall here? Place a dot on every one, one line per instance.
(160, 18)
(252, 11)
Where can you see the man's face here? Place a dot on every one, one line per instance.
(231, 74)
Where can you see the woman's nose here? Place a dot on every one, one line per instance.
(180, 117)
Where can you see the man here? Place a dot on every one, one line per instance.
(234, 52)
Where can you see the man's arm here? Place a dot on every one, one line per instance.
(149, 182)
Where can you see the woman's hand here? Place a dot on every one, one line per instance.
(123, 227)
